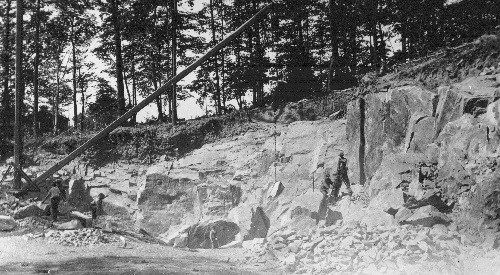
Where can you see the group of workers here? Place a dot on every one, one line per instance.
(57, 193)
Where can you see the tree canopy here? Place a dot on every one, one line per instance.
(301, 48)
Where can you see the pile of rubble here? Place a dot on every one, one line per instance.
(81, 237)
(356, 249)
(8, 207)
(34, 223)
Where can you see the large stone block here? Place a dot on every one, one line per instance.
(199, 237)
(428, 216)
(79, 195)
(7, 223)
(28, 211)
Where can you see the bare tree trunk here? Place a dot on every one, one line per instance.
(6, 97)
(216, 63)
(224, 96)
(134, 91)
(73, 48)
(56, 101)
(158, 102)
(18, 140)
(125, 80)
(35, 65)
(82, 121)
(334, 59)
(173, 100)
(118, 56)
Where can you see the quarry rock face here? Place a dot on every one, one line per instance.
(418, 149)
(260, 181)
(163, 200)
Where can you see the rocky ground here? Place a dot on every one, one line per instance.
(358, 249)
(20, 255)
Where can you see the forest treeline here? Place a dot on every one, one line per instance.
(300, 48)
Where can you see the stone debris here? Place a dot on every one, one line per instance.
(71, 225)
(34, 223)
(81, 237)
(357, 249)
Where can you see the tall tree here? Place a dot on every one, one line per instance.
(6, 56)
(35, 66)
(174, 61)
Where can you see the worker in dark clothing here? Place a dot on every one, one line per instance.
(326, 184)
(100, 199)
(342, 173)
(213, 237)
(96, 207)
(55, 198)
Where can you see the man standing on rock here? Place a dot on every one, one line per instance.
(55, 198)
(342, 174)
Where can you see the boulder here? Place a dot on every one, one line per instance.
(252, 222)
(7, 223)
(275, 190)
(374, 218)
(198, 234)
(173, 233)
(428, 199)
(403, 214)
(181, 241)
(71, 225)
(79, 195)
(428, 216)
(388, 200)
(85, 220)
(28, 211)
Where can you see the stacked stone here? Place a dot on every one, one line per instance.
(81, 237)
(34, 223)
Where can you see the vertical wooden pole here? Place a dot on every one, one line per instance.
(18, 147)
(174, 61)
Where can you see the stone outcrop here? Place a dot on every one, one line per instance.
(416, 147)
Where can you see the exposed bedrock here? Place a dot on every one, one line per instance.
(420, 144)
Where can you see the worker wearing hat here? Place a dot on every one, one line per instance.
(342, 173)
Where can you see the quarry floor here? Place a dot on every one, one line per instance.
(21, 256)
